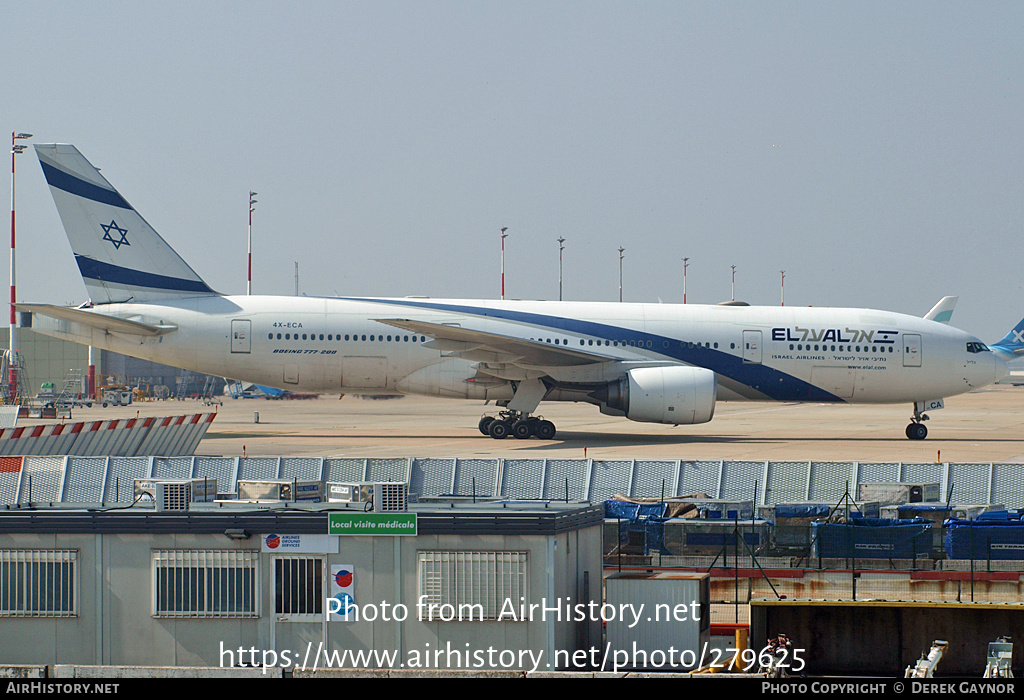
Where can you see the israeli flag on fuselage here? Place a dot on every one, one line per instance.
(121, 257)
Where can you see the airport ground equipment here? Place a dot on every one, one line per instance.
(174, 494)
(380, 497)
(925, 666)
(280, 490)
(1000, 654)
(116, 396)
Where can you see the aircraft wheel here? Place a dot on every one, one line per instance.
(522, 430)
(917, 431)
(485, 423)
(545, 430)
(498, 429)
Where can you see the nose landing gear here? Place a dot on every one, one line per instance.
(917, 429)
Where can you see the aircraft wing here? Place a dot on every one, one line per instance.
(493, 347)
(93, 319)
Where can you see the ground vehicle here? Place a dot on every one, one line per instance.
(116, 396)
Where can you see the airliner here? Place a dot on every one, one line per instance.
(660, 363)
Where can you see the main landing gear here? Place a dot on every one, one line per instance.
(917, 430)
(517, 424)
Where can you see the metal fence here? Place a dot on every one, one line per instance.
(765, 483)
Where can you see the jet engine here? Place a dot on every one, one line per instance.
(676, 395)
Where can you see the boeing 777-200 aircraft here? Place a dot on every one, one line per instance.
(660, 363)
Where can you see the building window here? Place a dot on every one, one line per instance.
(298, 586)
(38, 583)
(205, 583)
(471, 585)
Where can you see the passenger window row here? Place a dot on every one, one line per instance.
(373, 338)
(841, 348)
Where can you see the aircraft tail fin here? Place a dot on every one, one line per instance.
(1012, 345)
(943, 311)
(121, 257)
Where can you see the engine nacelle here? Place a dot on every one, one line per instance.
(675, 395)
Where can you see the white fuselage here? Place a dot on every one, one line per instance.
(340, 345)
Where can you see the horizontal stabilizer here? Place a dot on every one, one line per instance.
(93, 319)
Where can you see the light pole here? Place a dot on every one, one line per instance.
(252, 207)
(621, 251)
(503, 237)
(686, 264)
(733, 282)
(12, 377)
(783, 273)
(561, 247)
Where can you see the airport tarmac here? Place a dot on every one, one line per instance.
(982, 426)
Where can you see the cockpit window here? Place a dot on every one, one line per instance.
(977, 347)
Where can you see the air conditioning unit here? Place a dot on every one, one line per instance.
(280, 490)
(379, 497)
(175, 494)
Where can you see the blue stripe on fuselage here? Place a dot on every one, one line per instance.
(769, 381)
(105, 272)
(56, 177)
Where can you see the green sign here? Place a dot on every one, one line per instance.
(371, 524)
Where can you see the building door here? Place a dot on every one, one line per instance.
(298, 585)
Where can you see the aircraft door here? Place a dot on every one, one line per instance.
(241, 332)
(752, 347)
(911, 350)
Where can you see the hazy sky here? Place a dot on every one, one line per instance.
(872, 150)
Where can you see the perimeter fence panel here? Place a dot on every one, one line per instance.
(1008, 484)
(609, 478)
(220, 468)
(342, 470)
(257, 468)
(566, 478)
(653, 479)
(739, 478)
(385, 470)
(121, 475)
(700, 477)
(10, 478)
(46, 474)
(84, 479)
(171, 467)
(829, 481)
(522, 478)
(476, 477)
(876, 472)
(431, 477)
(787, 482)
(970, 484)
(301, 468)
